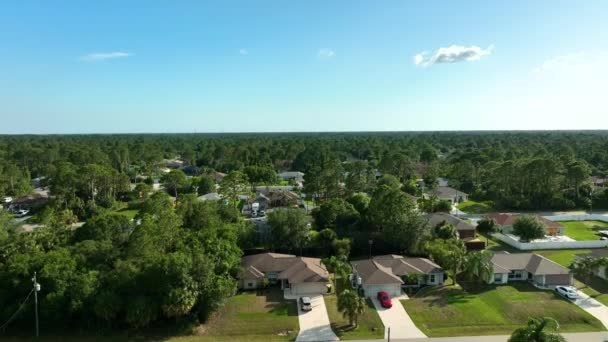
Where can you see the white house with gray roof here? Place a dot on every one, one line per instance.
(528, 267)
(389, 273)
(296, 275)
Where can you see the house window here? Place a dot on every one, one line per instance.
(514, 275)
(432, 278)
(498, 278)
(249, 284)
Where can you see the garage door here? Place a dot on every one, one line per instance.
(308, 289)
(393, 290)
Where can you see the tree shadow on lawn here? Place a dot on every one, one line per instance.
(276, 303)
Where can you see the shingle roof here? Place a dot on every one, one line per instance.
(446, 191)
(373, 273)
(295, 269)
(507, 219)
(250, 273)
(533, 263)
(388, 269)
(460, 224)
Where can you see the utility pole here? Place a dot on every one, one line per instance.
(36, 289)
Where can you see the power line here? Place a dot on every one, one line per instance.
(18, 310)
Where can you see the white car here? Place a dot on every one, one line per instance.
(21, 213)
(569, 292)
(305, 303)
(7, 199)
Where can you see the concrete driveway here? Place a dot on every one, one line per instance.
(398, 320)
(592, 306)
(314, 324)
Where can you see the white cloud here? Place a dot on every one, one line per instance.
(101, 56)
(452, 54)
(243, 52)
(325, 53)
(569, 61)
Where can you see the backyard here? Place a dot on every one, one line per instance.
(473, 207)
(583, 230)
(491, 310)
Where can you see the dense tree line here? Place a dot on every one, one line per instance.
(520, 170)
(170, 264)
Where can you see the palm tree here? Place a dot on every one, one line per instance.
(478, 266)
(351, 305)
(339, 267)
(585, 266)
(534, 331)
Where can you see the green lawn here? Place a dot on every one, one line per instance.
(257, 316)
(369, 323)
(473, 207)
(563, 257)
(129, 213)
(584, 230)
(492, 310)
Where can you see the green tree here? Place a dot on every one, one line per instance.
(445, 230)
(351, 305)
(288, 228)
(487, 226)
(206, 185)
(478, 266)
(528, 227)
(175, 181)
(449, 254)
(535, 331)
(394, 215)
(335, 214)
(234, 184)
(585, 266)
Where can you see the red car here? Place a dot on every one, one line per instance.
(384, 300)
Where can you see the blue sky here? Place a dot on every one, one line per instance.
(231, 66)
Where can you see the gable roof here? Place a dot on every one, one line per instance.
(460, 224)
(507, 219)
(295, 269)
(533, 263)
(388, 269)
(446, 191)
(373, 273)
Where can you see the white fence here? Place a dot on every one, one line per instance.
(529, 246)
(581, 217)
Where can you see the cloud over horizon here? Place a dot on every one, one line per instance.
(101, 56)
(568, 61)
(452, 54)
(325, 53)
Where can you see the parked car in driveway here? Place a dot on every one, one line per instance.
(569, 292)
(305, 303)
(385, 300)
(21, 213)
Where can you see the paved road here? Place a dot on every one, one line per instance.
(592, 306)
(398, 320)
(314, 324)
(571, 337)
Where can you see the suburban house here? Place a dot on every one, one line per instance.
(389, 273)
(212, 196)
(598, 181)
(506, 220)
(297, 275)
(173, 163)
(450, 194)
(531, 267)
(601, 271)
(296, 176)
(466, 231)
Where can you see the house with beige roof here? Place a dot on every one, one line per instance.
(531, 267)
(466, 231)
(296, 275)
(389, 273)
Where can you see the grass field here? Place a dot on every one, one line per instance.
(369, 323)
(251, 316)
(492, 310)
(473, 207)
(584, 230)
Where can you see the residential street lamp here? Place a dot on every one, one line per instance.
(370, 242)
